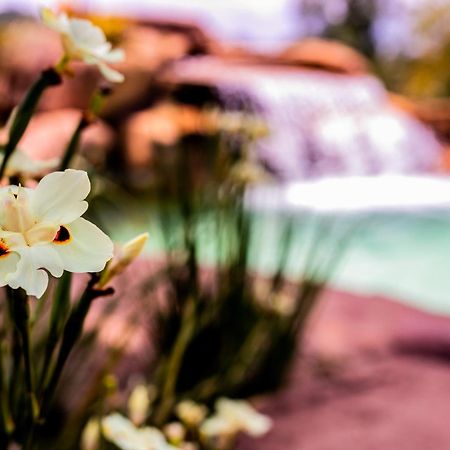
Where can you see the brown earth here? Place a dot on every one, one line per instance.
(376, 375)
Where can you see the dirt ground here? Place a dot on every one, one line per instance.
(375, 376)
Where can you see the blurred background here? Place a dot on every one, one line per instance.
(345, 105)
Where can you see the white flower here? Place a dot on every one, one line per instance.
(126, 436)
(217, 426)
(42, 229)
(84, 41)
(243, 416)
(21, 164)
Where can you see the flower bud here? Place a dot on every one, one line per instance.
(138, 404)
(190, 413)
(175, 432)
(123, 258)
(90, 437)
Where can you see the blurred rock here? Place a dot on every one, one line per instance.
(325, 54)
(164, 124)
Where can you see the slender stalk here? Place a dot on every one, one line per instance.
(86, 119)
(16, 356)
(174, 363)
(49, 77)
(71, 334)
(60, 310)
(5, 412)
(20, 315)
(72, 146)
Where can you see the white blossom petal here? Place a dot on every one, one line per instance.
(110, 74)
(8, 265)
(30, 274)
(243, 416)
(87, 250)
(121, 431)
(59, 196)
(34, 281)
(86, 34)
(114, 56)
(46, 257)
(58, 23)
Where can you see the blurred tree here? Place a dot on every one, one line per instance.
(356, 28)
(427, 72)
(348, 21)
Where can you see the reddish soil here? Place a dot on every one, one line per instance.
(375, 375)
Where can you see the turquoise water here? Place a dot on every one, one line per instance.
(404, 255)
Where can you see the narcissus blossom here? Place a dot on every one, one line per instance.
(42, 230)
(121, 431)
(21, 164)
(234, 416)
(84, 41)
(244, 417)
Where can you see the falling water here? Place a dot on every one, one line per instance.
(324, 124)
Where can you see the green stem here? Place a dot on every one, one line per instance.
(72, 332)
(174, 363)
(61, 65)
(16, 353)
(6, 417)
(60, 309)
(25, 111)
(20, 315)
(73, 143)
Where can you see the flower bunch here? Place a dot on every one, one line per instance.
(193, 431)
(42, 233)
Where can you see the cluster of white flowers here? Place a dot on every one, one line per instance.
(83, 41)
(234, 416)
(42, 229)
(125, 435)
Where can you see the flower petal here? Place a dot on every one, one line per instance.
(87, 250)
(59, 196)
(8, 265)
(114, 56)
(26, 276)
(110, 74)
(85, 34)
(58, 23)
(41, 233)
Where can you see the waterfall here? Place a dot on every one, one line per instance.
(326, 124)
